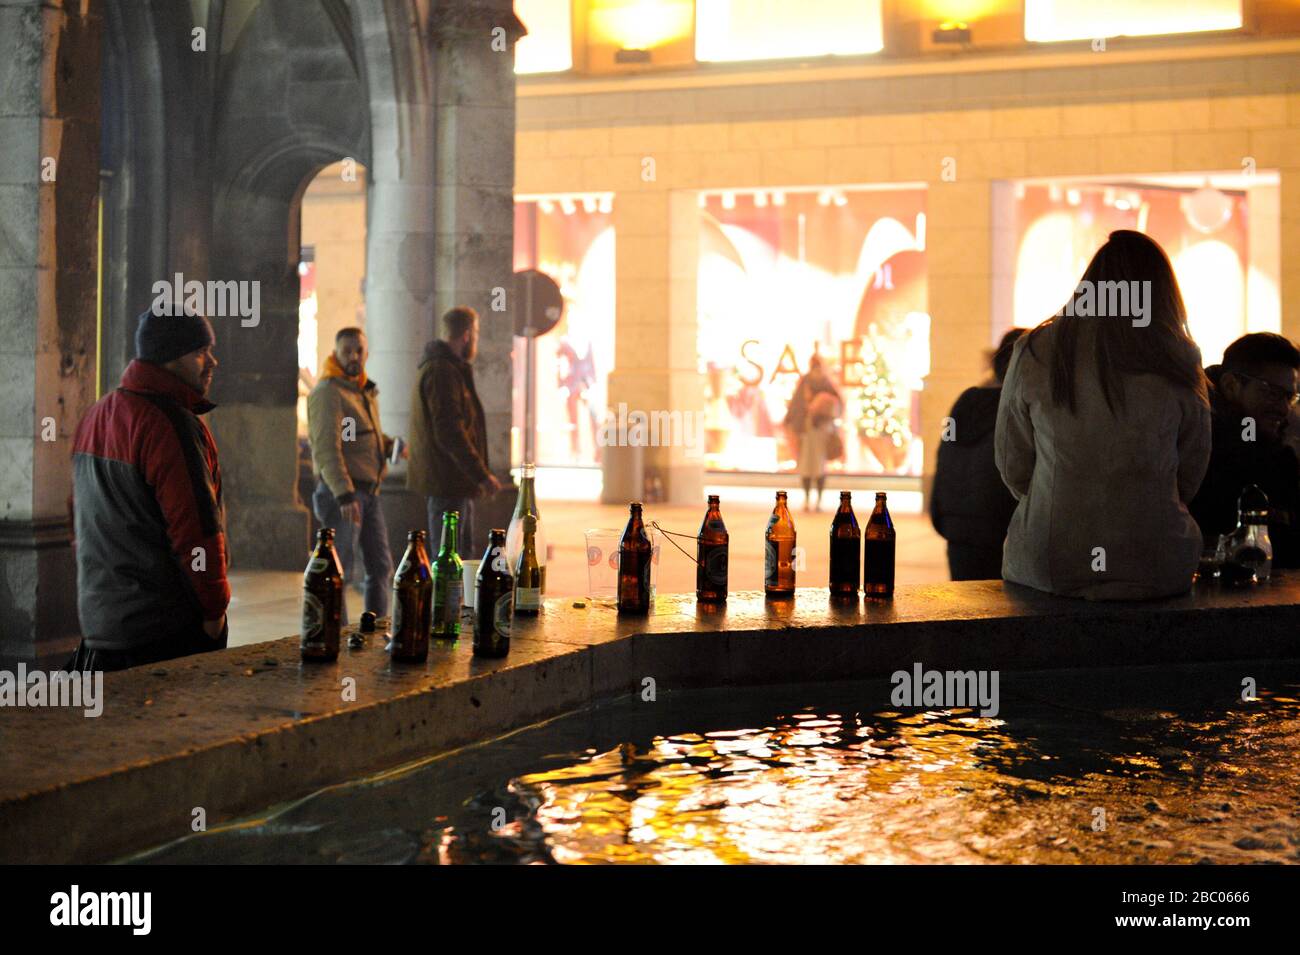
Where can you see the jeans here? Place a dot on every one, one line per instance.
(464, 530)
(373, 532)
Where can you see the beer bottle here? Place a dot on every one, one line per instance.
(878, 552)
(412, 602)
(711, 556)
(846, 549)
(448, 581)
(493, 599)
(528, 570)
(322, 600)
(526, 505)
(634, 554)
(778, 564)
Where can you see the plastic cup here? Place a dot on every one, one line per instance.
(602, 565)
(471, 572)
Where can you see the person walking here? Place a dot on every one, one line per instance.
(1103, 436)
(147, 507)
(449, 452)
(810, 420)
(970, 507)
(349, 454)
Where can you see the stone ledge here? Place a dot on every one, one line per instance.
(241, 729)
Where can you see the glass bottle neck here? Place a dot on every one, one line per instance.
(449, 544)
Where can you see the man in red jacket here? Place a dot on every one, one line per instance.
(150, 527)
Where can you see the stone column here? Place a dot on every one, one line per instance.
(399, 224)
(958, 260)
(49, 188)
(474, 84)
(655, 341)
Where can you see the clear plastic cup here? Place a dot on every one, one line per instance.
(602, 565)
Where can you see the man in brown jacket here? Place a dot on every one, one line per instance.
(449, 455)
(349, 454)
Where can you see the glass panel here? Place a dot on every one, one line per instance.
(785, 274)
(548, 45)
(727, 30)
(1052, 20)
(571, 239)
(1204, 226)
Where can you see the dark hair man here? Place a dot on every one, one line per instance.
(1254, 390)
(349, 454)
(150, 526)
(449, 454)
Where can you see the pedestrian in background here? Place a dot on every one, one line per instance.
(449, 453)
(349, 454)
(1103, 436)
(810, 420)
(147, 509)
(970, 507)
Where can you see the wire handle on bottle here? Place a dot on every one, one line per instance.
(671, 534)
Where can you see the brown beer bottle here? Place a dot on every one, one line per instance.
(412, 602)
(494, 594)
(322, 600)
(846, 549)
(878, 552)
(778, 563)
(634, 555)
(711, 556)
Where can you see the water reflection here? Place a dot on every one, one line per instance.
(1141, 766)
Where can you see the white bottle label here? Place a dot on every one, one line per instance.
(528, 598)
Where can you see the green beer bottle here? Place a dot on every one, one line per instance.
(448, 581)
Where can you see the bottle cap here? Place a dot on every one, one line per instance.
(368, 622)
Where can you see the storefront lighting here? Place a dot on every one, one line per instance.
(1054, 192)
(760, 200)
(568, 206)
(546, 206)
(841, 199)
(824, 197)
(704, 200)
(953, 31)
(778, 198)
(1108, 197)
(1207, 210)
(605, 204)
(1073, 197)
(588, 203)
(635, 27)
(728, 200)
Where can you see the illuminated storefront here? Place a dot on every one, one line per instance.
(787, 273)
(570, 237)
(1219, 230)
